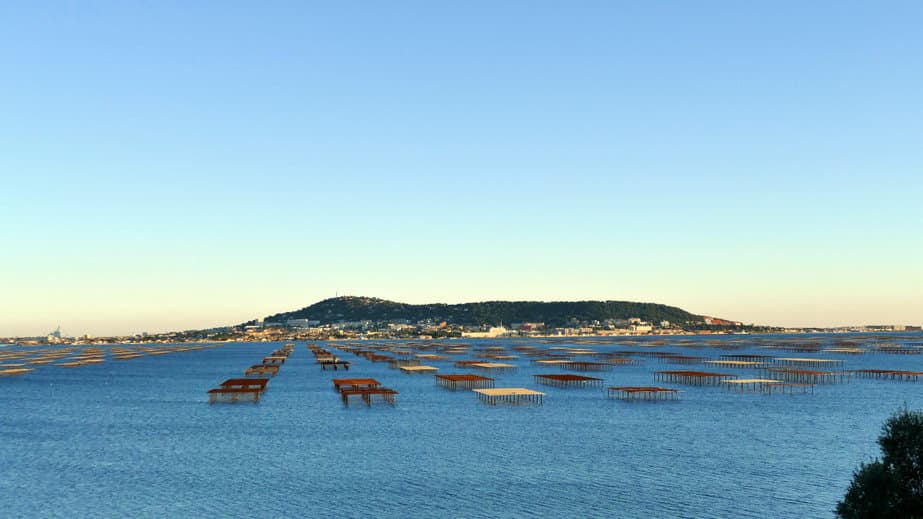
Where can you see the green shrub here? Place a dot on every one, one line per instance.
(893, 486)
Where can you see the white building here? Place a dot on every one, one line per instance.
(301, 323)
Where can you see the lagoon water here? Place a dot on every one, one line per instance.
(138, 438)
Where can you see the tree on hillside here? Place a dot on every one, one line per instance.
(891, 487)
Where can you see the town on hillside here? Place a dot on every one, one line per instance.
(261, 330)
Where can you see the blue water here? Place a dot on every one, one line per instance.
(137, 438)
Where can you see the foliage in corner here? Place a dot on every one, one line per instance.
(891, 487)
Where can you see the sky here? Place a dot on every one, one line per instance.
(179, 165)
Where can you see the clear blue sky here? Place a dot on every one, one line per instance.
(172, 165)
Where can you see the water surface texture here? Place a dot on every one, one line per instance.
(138, 438)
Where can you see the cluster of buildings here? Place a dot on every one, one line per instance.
(310, 329)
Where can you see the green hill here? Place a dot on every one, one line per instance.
(350, 308)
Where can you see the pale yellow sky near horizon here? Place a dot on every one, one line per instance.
(139, 289)
(116, 308)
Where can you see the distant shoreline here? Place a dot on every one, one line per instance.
(67, 341)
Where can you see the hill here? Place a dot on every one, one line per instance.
(351, 308)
